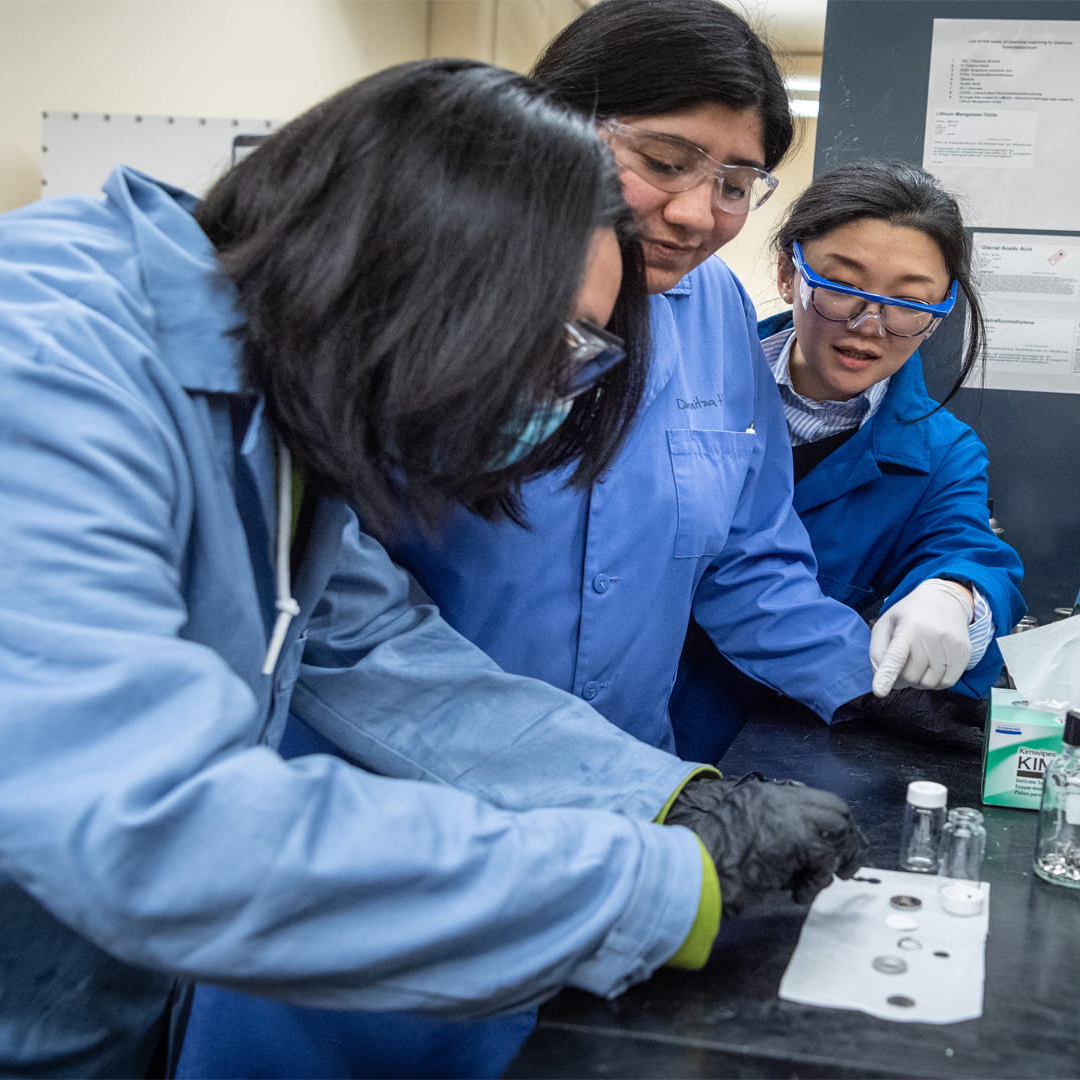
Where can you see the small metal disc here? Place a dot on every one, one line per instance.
(909, 944)
(905, 903)
(890, 965)
(902, 1000)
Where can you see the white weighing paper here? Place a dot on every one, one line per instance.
(852, 923)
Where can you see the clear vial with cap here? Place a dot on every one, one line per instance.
(924, 819)
(1057, 843)
(963, 844)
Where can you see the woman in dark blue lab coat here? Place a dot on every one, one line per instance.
(891, 487)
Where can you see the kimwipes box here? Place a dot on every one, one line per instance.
(1021, 737)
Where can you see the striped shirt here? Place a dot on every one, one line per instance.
(808, 420)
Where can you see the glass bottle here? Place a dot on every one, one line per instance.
(1057, 843)
(924, 817)
(963, 844)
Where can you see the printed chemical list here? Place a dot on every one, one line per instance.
(1003, 107)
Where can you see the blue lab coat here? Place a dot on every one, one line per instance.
(149, 826)
(694, 517)
(904, 500)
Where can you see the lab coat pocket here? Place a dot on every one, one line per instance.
(710, 469)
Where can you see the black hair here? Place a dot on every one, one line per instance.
(901, 194)
(406, 255)
(646, 57)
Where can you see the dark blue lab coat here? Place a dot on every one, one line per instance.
(903, 500)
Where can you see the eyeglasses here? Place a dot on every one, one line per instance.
(842, 303)
(593, 353)
(671, 163)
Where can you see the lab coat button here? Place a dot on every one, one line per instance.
(600, 583)
(590, 690)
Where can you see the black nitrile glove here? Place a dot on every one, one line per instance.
(767, 835)
(934, 716)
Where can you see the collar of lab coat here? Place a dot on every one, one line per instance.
(192, 299)
(195, 307)
(665, 345)
(888, 441)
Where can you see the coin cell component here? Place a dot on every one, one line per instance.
(898, 921)
(905, 903)
(889, 965)
(961, 899)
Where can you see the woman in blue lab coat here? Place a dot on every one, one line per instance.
(694, 515)
(891, 487)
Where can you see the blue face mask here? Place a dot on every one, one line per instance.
(544, 422)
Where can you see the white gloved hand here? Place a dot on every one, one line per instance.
(923, 640)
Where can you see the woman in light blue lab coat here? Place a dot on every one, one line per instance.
(197, 397)
(891, 487)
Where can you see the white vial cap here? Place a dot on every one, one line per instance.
(963, 899)
(927, 794)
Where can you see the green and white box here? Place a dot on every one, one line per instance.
(1021, 738)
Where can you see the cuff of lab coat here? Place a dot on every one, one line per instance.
(657, 922)
(694, 952)
(847, 690)
(703, 770)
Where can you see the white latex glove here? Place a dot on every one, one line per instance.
(923, 640)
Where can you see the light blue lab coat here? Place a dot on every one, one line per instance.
(695, 517)
(146, 823)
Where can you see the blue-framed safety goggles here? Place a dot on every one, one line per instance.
(843, 303)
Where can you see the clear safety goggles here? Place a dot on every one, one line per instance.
(593, 353)
(671, 163)
(842, 303)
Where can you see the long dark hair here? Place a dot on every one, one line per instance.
(645, 57)
(901, 194)
(406, 254)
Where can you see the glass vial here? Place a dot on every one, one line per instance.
(924, 818)
(1057, 843)
(963, 844)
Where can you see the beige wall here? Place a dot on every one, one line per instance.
(268, 58)
(271, 58)
(749, 254)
